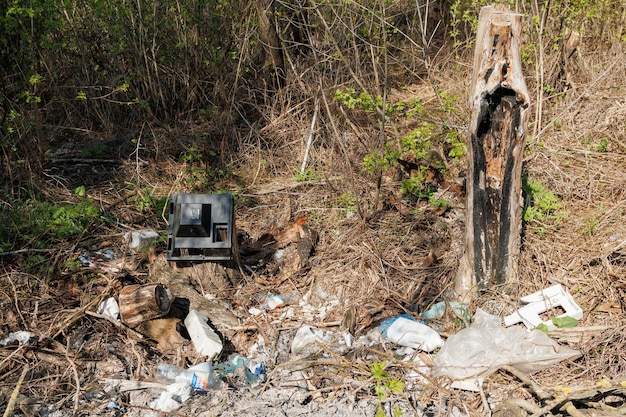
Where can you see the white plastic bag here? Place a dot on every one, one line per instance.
(479, 350)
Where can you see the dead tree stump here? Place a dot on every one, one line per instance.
(499, 102)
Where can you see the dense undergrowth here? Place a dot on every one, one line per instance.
(199, 82)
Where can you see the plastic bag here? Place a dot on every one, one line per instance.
(479, 350)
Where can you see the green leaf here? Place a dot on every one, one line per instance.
(396, 385)
(80, 191)
(378, 369)
(566, 321)
(35, 79)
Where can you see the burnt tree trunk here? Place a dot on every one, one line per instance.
(499, 102)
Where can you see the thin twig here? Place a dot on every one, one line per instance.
(26, 250)
(76, 377)
(116, 323)
(536, 389)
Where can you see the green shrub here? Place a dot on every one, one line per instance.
(40, 223)
(542, 206)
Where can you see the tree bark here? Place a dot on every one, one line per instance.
(269, 38)
(499, 103)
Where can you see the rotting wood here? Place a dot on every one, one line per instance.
(268, 243)
(562, 80)
(499, 103)
(140, 303)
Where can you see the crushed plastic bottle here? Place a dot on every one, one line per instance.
(405, 331)
(201, 377)
(254, 369)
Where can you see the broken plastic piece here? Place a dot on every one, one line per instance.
(110, 308)
(437, 310)
(171, 399)
(542, 301)
(20, 336)
(272, 302)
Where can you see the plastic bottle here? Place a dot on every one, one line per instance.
(167, 372)
(405, 331)
(200, 376)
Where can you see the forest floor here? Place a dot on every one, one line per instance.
(399, 257)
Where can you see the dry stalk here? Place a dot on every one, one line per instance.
(15, 299)
(9, 356)
(13, 398)
(575, 101)
(77, 313)
(76, 377)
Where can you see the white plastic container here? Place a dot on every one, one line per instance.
(410, 333)
(139, 239)
(205, 340)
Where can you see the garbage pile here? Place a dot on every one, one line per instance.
(462, 360)
(170, 312)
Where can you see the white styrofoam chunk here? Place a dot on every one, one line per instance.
(204, 338)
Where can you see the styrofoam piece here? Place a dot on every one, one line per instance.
(542, 301)
(472, 384)
(110, 308)
(204, 338)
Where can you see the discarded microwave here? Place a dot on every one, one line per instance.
(201, 227)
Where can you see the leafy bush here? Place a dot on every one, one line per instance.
(40, 223)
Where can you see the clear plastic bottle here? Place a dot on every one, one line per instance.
(201, 376)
